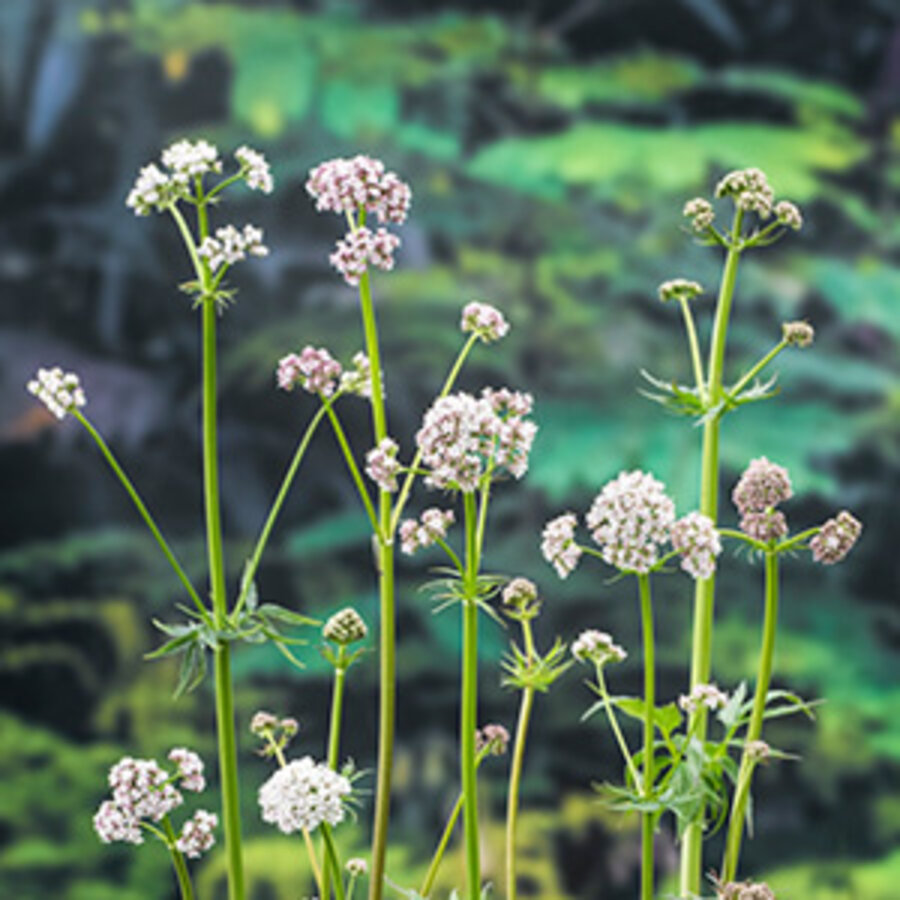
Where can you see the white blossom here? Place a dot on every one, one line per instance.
(231, 245)
(255, 168)
(59, 391)
(303, 794)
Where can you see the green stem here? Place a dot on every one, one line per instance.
(515, 780)
(648, 818)
(617, 731)
(354, 470)
(705, 588)
(751, 373)
(181, 869)
(469, 703)
(740, 536)
(798, 539)
(694, 345)
(754, 728)
(406, 487)
(334, 744)
(256, 556)
(141, 508)
(333, 862)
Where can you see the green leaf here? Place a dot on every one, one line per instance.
(176, 645)
(281, 614)
(192, 671)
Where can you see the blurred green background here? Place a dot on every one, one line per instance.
(550, 147)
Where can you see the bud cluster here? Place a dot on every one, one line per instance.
(750, 190)
(358, 248)
(493, 738)
(315, 370)
(558, 545)
(59, 391)
(484, 320)
(382, 465)
(429, 528)
(679, 289)
(759, 490)
(798, 334)
(345, 627)
(703, 695)
(597, 647)
(695, 537)
(230, 246)
(836, 538)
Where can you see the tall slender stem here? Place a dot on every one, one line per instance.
(334, 745)
(141, 507)
(438, 857)
(617, 731)
(181, 869)
(333, 862)
(515, 780)
(754, 729)
(648, 819)
(705, 589)
(757, 367)
(469, 703)
(694, 347)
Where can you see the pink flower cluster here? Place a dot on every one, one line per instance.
(143, 790)
(315, 370)
(759, 490)
(703, 695)
(836, 538)
(382, 465)
(597, 647)
(558, 545)
(695, 537)
(359, 247)
(361, 183)
(629, 519)
(484, 320)
(493, 738)
(430, 527)
(197, 834)
(462, 437)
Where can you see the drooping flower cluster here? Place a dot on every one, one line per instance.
(314, 369)
(700, 212)
(143, 791)
(303, 795)
(382, 465)
(358, 248)
(798, 334)
(759, 490)
(679, 289)
(629, 520)
(430, 527)
(155, 189)
(494, 738)
(197, 834)
(558, 545)
(463, 437)
(345, 627)
(190, 768)
(59, 391)
(750, 190)
(695, 537)
(230, 245)
(836, 538)
(597, 647)
(703, 695)
(484, 320)
(349, 185)
(255, 169)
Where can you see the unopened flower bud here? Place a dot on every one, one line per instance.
(700, 212)
(597, 647)
(798, 334)
(768, 525)
(495, 737)
(356, 867)
(703, 695)
(345, 627)
(679, 289)
(788, 214)
(519, 593)
(758, 751)
(263, 722)
(289, 727)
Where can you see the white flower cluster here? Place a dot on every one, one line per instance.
(629, 519)
(798, 334)
(190, 768)
(382, 465)
(679, 289)
(358, 380)
(597, 647)
(558, 545)
(519, 594)
(348, 185)
(255, 169)
(59, 391)
(230, 245)
(700, 212)
(750, 190)
(303, 795)
(155, 189)
(358, 248)
(430, 527)
(314, 369)
(695, 537)
(197, 834)
(484, 320)
(463, 436)
(703, 695)
(143, 790)
(788, 214)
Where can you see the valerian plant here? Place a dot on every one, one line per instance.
(466, 446)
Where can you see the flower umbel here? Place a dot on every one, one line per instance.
(695, 537)
(558, 544)
(484, 320)
(430, 527)
(360, 183)
(59, 391)
(700, 212)
(703, 695)
(750, 190)
(190, 768)
(836, 538)
(358, 248)
(197, 834)
(303, 795)
(345, 627)
(254, 169)
(597, 647)
(230, 245)
(382, 465)
(315, 370)
(494, 737)
(762, 486)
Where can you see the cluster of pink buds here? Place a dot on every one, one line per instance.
(597, 647)
(428, 529)
(759, 490)
(492, 738)
(695, 537)
(314, 369)
(558, 544)
(464, 437)
(360, 247)
(836, 538)
(197, 834)
(361, 183)
(382, 465)
(484, 320)
(703, 696)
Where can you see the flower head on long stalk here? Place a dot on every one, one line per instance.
(59, 391)
(302, 795)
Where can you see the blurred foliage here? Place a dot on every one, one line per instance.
(550, 150)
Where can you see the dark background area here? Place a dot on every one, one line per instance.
(550, 148)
